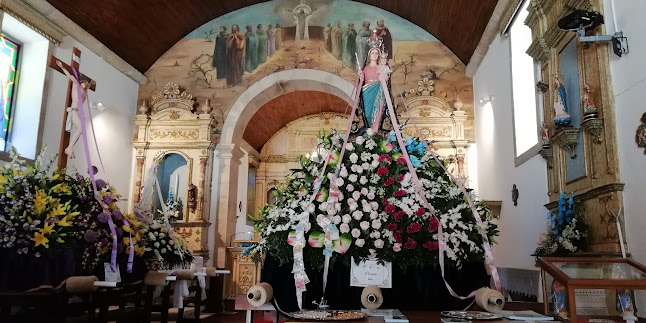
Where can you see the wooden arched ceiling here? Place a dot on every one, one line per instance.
(141, 31)
(275, 114)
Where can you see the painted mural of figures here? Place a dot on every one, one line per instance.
(220, 54)
(271, 40)
(337, 41)
(251, 50)
(235, 56)
(327, 37)
(386, 36)
(302, 13)
(372, 109)
(279, 36)
(362, 42)
(561, 116)
(350, 46)
(262, 45)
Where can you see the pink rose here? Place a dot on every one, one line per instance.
(356, 195)
(364, 225)
(379, 243)
(397, 247)
(370, 195)
(357, 215)
(364, 191)
(376, 224)
(359, 242)
(356, 233)
(345, 228)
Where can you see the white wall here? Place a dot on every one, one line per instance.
(113, 127)
(629, 86)
(519, 225)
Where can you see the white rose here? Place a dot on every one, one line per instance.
(339, 182)
(344, 228)
(363, 180)
(364, 191)
(356, 233)
(360, 140)
(364, 225)
(375, 163)
(352, 178)
(336, 219)
(376, 224)
(349, 187)
(365, 166)
(375, 234)
(356, 195)
(357, 215)
(370, 132)
(374, 205)
(379, 243)
(311, 208)
(373, 215)
(346, 218)
(349, 146)
(366, 207)
(354, 158)
(360, 242)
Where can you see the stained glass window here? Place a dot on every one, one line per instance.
(8, 70)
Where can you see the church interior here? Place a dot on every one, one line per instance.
(322, 160)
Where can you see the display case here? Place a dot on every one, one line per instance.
(590, 287)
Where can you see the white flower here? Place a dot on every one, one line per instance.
(374, 205)
(163, 250)
(397, 247)
(349, 146)
(360, 140)
(365, 156)
(364, 191)
(356, 194)
(353, 178)
(375, 163)
(171, 242)
(364, 225)
(357, 215)
(366, 207)
(336, 219)
(346, 218)
(359, 242)
(311, 208)
(344, 228)
(363, 180)
(379, 243)
(343, 173)
(365, 166)
(156, 245)
(339, 182)
(376, 224)
(323, 206)
(356, 233)
(370, 132)
(371, 144)
(163, 242)
(354, 158)
(350, 188)
(375, 234)
(373, 215)
(371, 195)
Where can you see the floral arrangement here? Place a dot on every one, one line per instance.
(165, 249)
(175, 209)
(566, 231)
(374, 205)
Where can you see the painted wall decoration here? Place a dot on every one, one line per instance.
(223, 57)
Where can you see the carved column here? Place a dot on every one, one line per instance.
(200, 192)
(460, 160)
(229, 162)
(139, 168)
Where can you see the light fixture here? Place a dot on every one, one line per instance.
(581, 21)
(484, 100)
(98, 105)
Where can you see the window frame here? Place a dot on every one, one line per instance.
(536, 148)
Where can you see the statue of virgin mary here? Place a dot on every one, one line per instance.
(372, 111)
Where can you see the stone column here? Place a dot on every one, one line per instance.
(229, 161)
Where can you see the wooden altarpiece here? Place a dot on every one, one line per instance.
(171, 125)
(590, 145)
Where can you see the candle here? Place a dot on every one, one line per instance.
(176, 184)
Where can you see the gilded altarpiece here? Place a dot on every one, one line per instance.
(587, 150)
(168, 123)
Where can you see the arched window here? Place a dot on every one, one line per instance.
(271, 198)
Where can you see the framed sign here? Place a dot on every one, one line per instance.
(371, 273)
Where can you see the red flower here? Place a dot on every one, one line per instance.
(389, 181)
(392, 227)
(431, 245)
(385, 158)
(401, 160)
(414, 227)
(390, 209)
(399, 215)
(420, 211)
(398, 236)
(433, 224)
(401, 178)
(381, 171)
(410, 244)
(399, 193)
(384, 201)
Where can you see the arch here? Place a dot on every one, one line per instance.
(274, 85)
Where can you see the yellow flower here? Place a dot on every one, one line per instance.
(139, 250)
(3, 179)
(64, 222)
(59, 210)
(49, 228)
(126, 241)
(62, 188)
(56, 176)
(40, 202)
(127, 229)
(40, 239)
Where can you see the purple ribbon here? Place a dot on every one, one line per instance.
(97, 196)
